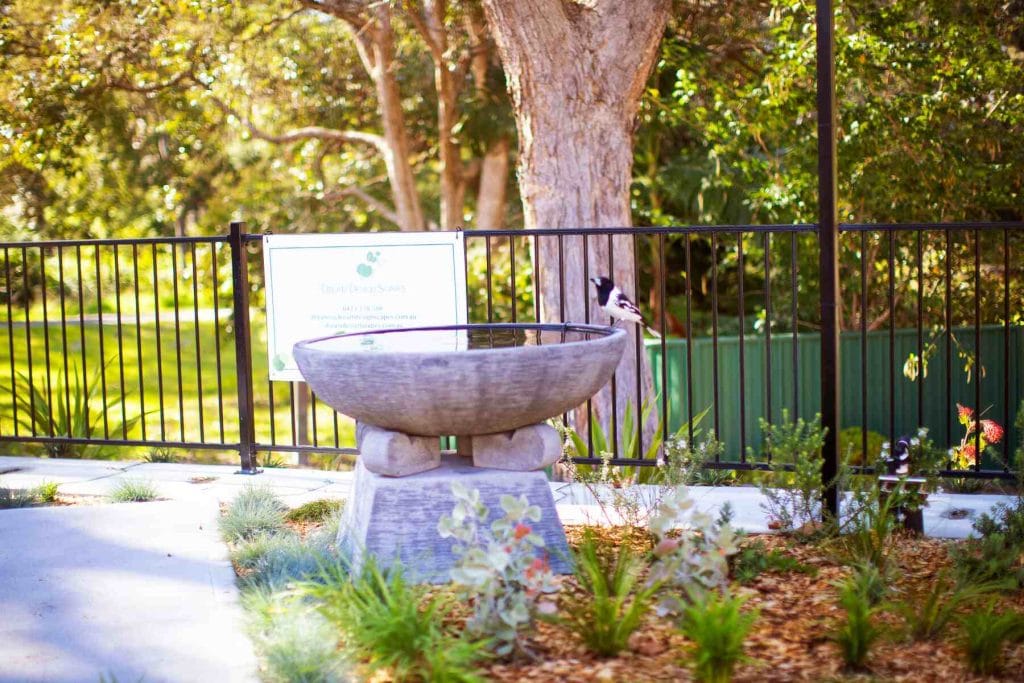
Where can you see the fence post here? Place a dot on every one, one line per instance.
(828, 240)
(243, 351)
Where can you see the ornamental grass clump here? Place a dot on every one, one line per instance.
(133, 491)
(717, 627)
(395, 625)
(502, 569)
(691, 554)
(858, 632)
(254, 512)
(295, 641)
(611, 600)
(986, 634)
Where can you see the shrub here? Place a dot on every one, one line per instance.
(254, 512)
(756, 559)
(985, 634)
(870, 526)
(695, 559)
(717, 627)
(395, 625)
(503, 569)
(685, 463)
(315, 511)
(792, 496)
(133, 491)
(47, 492)
(295, 641)
(857, 632)
(851, 443)
(611, 601)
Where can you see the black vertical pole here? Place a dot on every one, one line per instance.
(243, 355)
(828, 239)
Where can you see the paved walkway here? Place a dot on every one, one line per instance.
(134, 592)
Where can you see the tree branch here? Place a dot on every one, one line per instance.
(385, 211)
(305, 133)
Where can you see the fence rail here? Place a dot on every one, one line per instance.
(152, 343)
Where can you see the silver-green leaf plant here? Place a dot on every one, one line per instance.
(503, 568)
(691, 556)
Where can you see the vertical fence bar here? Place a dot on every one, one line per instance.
(216, 342)
(243, 357)
(120, 341)
(920, 331)
(1007, 410)
(864, 345)
(99, 332)
(64, 334)
(138, 338)
(689, 340)
(978, 367)
(512, 274)
(177, 341)
(768, 325)
(28, 342)
(159, 346)
(828, 231)
(742, 359)
(615, 399)
(195, 327)
(10, 336)
(46, 344)
(794, 317)
(892, 337)
(662, 286)
(714, 334)
(949, 335)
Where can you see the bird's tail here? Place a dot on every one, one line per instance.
(654, 332)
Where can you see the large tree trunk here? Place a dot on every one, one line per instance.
(576, 71)
(492, 195)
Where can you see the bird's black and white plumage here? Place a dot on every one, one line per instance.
(616, 304)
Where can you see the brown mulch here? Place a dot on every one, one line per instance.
(790, 639)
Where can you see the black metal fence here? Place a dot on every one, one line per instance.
(153, 343)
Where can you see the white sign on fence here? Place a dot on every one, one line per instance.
(319, 285)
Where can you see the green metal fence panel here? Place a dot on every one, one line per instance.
(890, 405)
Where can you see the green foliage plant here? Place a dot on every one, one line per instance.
(315, 511)
(276, 560)
(929, 613)
(294, 640)
(133, 491)
(793, 487)
(868, 532)
(717, 626)
(47, 492)
(611, 601)
(254, 512)
(503, 569)
(985, 634)
(857, 632)
(691, 555)
(755, 559)
(73, 411)
(395, 625)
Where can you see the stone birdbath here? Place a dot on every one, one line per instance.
(492, 386)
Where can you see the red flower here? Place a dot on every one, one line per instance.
(970, 454)
(992, 431)
(964, 413)
(521, 531)
(538, 565)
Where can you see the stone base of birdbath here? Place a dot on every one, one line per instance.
(395, 519)
(395, 454)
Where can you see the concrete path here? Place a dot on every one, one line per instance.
(144, 591)
(126, 592)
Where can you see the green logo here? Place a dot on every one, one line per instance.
(366, 269)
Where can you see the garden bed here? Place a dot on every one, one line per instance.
(791, 584)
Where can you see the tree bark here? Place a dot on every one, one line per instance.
(575, 72)
(492, 194)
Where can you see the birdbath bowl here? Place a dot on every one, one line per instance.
(492, 386)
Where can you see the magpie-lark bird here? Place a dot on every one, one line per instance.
(616, 304)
